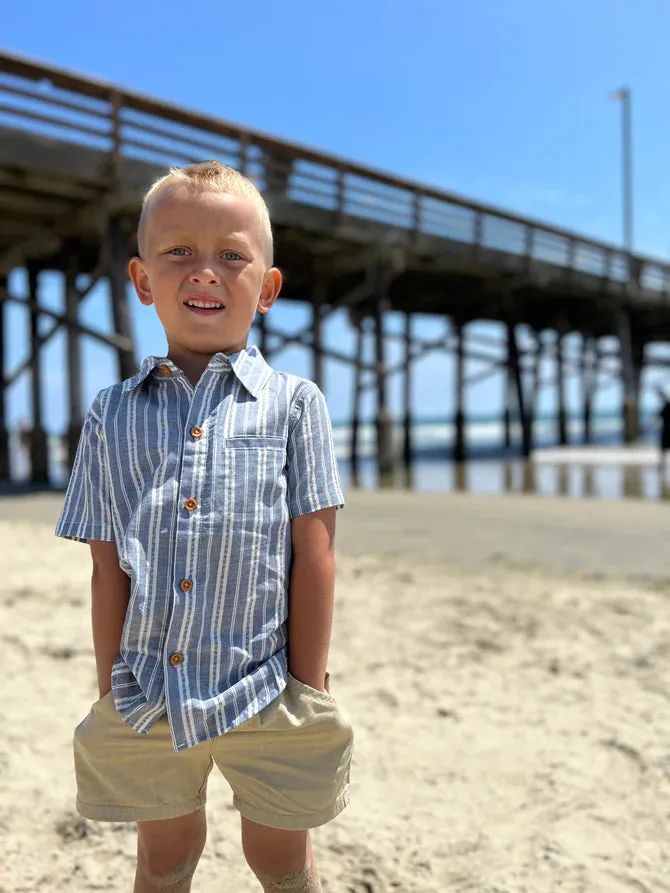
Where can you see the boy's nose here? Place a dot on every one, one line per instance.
(204, 276)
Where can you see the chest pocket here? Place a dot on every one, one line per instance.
(255, 442)
(254, 478)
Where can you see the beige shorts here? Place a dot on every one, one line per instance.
(288, 766)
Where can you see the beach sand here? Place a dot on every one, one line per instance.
(505, 662)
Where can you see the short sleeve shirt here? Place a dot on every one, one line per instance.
(197, 486)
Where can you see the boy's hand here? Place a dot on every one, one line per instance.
(313, 683)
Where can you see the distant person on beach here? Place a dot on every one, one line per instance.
(207, 488)
(664, 439)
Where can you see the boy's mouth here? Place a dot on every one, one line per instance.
(204, 306)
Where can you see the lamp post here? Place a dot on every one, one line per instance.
(624, 97)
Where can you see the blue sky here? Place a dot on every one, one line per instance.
(503, 102)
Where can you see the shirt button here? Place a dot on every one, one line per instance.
(186, 585)
(165, 370)
(176, 659)
(196, 433)
(190, 505)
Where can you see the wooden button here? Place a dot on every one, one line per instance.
(186, 585)
(176, 659)
(196, 433)
(165, 370)
(190, 505)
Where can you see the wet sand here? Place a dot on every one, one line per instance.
(505, 661)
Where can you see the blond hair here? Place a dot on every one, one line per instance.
(211, 176)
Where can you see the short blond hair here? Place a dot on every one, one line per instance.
(211, 176)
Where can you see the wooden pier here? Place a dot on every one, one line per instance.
(76, 156)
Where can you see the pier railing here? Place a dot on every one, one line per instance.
(49, 102)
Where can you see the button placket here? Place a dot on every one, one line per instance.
(192, 457)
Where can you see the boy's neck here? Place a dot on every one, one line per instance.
(191, 364)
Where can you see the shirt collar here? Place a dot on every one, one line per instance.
(248, 365)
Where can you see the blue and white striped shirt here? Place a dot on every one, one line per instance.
(197, 486)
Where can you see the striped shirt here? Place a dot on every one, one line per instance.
(197, 486)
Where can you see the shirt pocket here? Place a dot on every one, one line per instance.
(255, 442)
(255, 480)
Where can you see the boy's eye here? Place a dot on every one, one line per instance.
(231, 255)
(178, 252)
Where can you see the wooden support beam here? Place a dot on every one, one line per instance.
(526, 435)
(532, 401)
(263, 335)
(318, 303)
(328, 353)
(4, 431)
(481, 340)
(507, 392)
(49, 334)
(353, 298)
(39, 459)
(562, 420)
(459, 395)
(117, 341)
(117, 262)
(408, 420)
(356, 402)
(74, 363)
(537, 368)
(589, 370)
(639, 354)
(632, 361)
(420, 350)
(384, 420)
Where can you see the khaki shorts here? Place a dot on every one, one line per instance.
(288, 766)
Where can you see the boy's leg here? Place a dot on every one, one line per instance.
(282, 861)
(289, 769)
(126, 777)
(168, 852)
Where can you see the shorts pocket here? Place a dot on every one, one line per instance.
(312, 692)
(106, 697)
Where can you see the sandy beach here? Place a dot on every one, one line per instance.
(504, 659)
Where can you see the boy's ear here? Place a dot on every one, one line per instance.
(270, 291)
(140, 280)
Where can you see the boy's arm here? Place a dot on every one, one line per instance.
(110, 593)
(311, 596)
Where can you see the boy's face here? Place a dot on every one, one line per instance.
(202, 247)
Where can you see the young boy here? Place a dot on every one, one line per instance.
(206, 486)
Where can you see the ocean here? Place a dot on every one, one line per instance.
(489, 469)
(493, 469)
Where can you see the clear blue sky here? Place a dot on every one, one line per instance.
(503, 102)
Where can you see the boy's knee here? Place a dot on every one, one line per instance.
(166, 863)
(304, 880)
(159, 875)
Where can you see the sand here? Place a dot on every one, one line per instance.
(505, 661)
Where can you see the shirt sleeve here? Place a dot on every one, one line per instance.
(313, 478)
(87, 511)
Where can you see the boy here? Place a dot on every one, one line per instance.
(206, 486)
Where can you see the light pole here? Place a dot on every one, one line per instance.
(624, 97)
